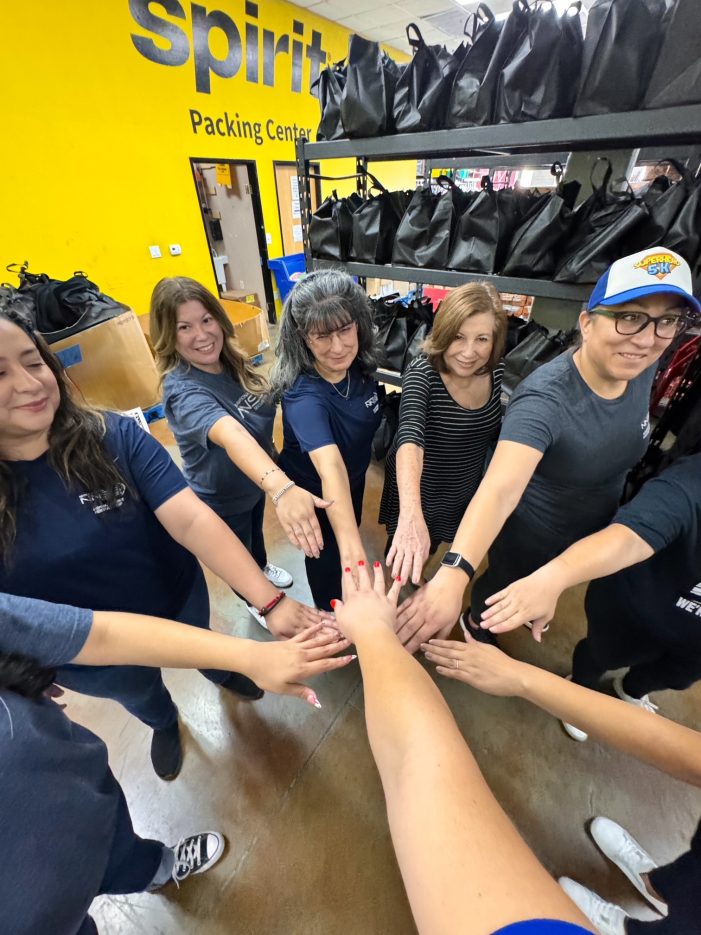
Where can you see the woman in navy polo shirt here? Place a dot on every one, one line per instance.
(330, 411)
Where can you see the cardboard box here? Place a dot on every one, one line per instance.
(250, 326)
(240, 295)
(112, 365)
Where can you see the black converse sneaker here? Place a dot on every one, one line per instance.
(197, 854)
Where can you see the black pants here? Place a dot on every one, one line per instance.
(679, 884)
(249, 529)
(661, 655)
(324, 573)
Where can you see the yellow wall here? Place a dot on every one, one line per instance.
(94, 164)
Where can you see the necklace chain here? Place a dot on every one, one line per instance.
(347, 393)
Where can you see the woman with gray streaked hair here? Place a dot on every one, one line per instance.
(326, 358)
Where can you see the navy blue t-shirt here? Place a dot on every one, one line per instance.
(665, 590)
(70, 548)
(194, 400)
(58, 798)
(315, 414)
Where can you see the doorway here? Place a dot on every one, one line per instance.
(232, 214)
(288, 204)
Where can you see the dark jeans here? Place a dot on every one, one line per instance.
(679, 884)
(660, 658)
(249, 529)
(324, 573)
(138, 688)
(132, 863)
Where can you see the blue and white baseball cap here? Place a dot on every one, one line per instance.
(645, 273)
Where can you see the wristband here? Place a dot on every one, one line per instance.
(271, 605)
(281, 491)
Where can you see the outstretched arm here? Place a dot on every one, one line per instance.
(668, 746)
(464, 865)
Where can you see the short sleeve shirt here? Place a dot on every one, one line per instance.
(589, 444)
(73, 549)
(316, 413)
(194, 400)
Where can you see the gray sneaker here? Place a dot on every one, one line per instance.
(607, 918)
(624, 851)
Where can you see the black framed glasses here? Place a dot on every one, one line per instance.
(666, 326)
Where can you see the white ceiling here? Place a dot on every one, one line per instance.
(440, 21)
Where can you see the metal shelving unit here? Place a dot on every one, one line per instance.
(668, 128)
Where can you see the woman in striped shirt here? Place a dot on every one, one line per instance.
(450, 414)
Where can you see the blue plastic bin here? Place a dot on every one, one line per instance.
(288, 270)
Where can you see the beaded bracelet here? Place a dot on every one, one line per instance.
(281, 491)
(271, 605)
(271, 471)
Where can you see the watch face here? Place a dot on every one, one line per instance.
(451, 558)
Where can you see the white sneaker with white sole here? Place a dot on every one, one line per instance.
(256, 616)
(607, 918)
(278, 576)
(643, 702)
(574, 732)
(623, 850)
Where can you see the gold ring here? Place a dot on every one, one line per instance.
(457, 663)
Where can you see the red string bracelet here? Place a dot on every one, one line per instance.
(271, 605)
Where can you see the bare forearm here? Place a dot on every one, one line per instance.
(136, 639)
(248, 456)
(410, 460)
(601, 554)
(671, 748)
(488, 511)
(335, 487)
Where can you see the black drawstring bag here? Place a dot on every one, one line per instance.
(539, 81)
(389, 423)
(537, 347)
(61, 308)
(664, 200)
(684, 235)
(677, 76)
(329, 87)
(620, 50)
(420, 94)
(483, 32)
(535, 243)
(485, 227)
(425, 232)
(368, 95)
(606, 219)
(399, 324)
(375, 225)
(331, 227)
(510, 37)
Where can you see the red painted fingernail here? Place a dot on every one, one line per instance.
(376, 564)
(399, 577)
(361, 563)
(333, 603)
(346, 569)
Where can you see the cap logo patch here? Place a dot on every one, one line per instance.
(658, 264)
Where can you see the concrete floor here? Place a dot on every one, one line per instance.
(297, 794)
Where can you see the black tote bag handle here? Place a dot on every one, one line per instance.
(447, 184)
(479, 21)
(414, 41)
(356, 175)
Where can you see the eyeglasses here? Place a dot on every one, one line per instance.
(323, 340)
(666, 326)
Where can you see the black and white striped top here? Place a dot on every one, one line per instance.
(455, 442)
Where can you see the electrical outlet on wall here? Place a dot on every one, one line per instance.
(155, 251)
(175, 249)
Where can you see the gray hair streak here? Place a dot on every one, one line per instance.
(321, 301)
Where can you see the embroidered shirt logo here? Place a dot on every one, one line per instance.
(658, 264)
(98, 502)
(645, 426)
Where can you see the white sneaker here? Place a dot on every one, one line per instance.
(607, 918)
(624, 851)
(643, 702)
(278, 576)
(574, 732)
(256, 616)
(196, 854)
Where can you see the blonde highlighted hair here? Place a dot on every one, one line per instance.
(167, 297)
(474, 298)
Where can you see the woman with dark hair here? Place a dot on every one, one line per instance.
(572, 431)
(222, 418)
(62, 807)
(326, 358)
(449, 415)
(94, 513)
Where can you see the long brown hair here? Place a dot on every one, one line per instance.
(76, 444)
(460, 304)
(167, 297)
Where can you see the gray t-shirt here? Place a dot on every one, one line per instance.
(194, 400)
(58, 798)
(589, 444)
